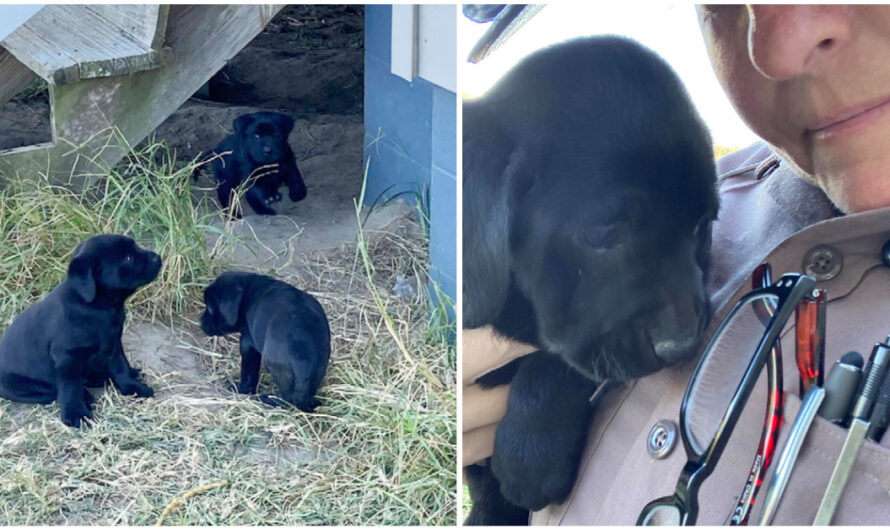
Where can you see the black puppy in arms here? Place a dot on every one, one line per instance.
(260, 139)
(282, 328)
(589, 192)
(72, 338)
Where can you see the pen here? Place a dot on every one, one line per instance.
(880, 416)
(874, 373)
(785, 463)
(841, 386)
(809, 340)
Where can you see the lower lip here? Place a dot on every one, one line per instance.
(852, 124)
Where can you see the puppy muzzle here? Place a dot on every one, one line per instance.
(153, 265)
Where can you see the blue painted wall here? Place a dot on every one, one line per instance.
(410, 142)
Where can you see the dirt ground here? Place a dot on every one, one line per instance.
(308, 63)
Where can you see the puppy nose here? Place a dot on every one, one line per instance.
(267, 149)
(154, 259)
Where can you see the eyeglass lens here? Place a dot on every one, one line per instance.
(723, 368)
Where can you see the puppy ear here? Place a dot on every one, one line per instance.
(241, 123)
(285, 124)
(487, 202)
(230, 304)
(81, 277)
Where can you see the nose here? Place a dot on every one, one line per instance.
(154, 259)
(267, 149)
(787, 41)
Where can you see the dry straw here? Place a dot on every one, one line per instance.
(381, 449)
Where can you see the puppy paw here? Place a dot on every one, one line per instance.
(139, 390)
(144, 391)
(490, 508)
(272, 401)
(534, 486)
(95, 381)
(88, 399)
(136, 374)
(243, 388)
(74, 418)
(308, 405)
(539, 442)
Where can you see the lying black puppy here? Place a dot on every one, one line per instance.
(72, 338)
(589, 191)
(281, 326)
(260, 139)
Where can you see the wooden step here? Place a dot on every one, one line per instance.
(96, 121)
(66, 43)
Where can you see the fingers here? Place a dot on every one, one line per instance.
(483, 351)
(478, 444)
(483, 406)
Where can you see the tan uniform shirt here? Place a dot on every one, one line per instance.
(767, 214)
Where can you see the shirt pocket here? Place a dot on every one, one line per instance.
(866, 497)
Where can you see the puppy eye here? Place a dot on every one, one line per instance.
(257, 136)
(602, 237)
(129, 258)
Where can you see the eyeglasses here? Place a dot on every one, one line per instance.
(775, 405)
(737, 352)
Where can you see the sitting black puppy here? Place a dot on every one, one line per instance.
(589, 191)
(260, 139)
(281, 327)
(72, 338)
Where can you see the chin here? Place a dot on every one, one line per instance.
(867, 190)
(618, 356)
(854, 176)
(631, 353)
(209, 330)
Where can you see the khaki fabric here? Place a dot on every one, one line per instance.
(767, 213)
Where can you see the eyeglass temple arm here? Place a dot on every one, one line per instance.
(772, 420)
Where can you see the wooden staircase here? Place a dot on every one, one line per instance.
(66, 43)
(122, 68)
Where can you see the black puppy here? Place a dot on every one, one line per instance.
(281, 327)
(260, 139)
(589, 191)
(72, 338)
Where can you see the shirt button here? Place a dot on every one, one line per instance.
(662, 439)
(822, 263)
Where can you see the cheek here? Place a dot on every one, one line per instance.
(759, 101)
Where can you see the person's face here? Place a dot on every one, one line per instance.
(814, 82)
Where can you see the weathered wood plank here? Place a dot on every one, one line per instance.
(140, 21)
(146, 24)
(203, 38)
(99, 48)
(61, 34)
(14, 76)
(38, 54)
(160, 37)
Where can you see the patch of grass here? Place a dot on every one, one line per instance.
(36, 89)
(380, 450)
(146, 197)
